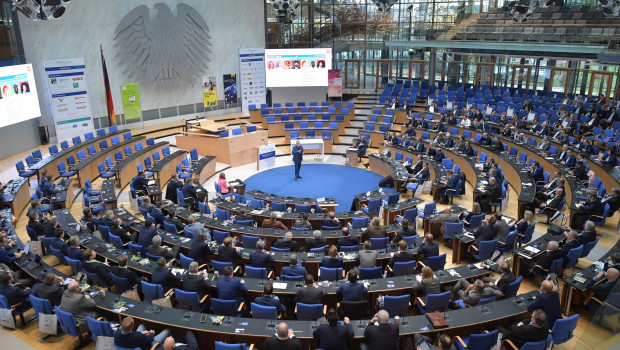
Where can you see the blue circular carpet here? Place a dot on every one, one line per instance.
(318, 180)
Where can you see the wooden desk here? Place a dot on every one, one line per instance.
(127, 169)
(16, 195)
(235, 150)
(279, 128)
(165, 168)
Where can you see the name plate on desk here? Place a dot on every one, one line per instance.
(266, 156)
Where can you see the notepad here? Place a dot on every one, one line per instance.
(279, 285)
(532, 249)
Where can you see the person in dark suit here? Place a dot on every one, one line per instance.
(59, 242)
(331, 221)
(231, 289)
(362, 146)
(107, 219)
(592, 206)
(171, 188)
(227, 252)
(284, 339)
(243, 216)
(141, 338)
(166, 252)
(485, 140)
(448, 142)
(74, 251)
(36, 226)
(439, 155)
(383, 336)
(588, 234)
(118, 230)
(347, 240)
(580, 171)
(190, 343)
(146, 234)
(547, 301)
(570, 159)
(172, 219)
(197, 282)
(122, 271)
(293, 269)
(352, 291)
(506, 277)
(544, 261)
(551, 203)
(600, 287)
(613, 199)
(492, 193)
(332, 336)
(418, 147)
(158, 214)
(610, 159)
(428, 248)
(298, 155)
(405, 231)
(260, 257)
(140, 183)
(50, 227)
(90, 264)
(529, 330)
(310, 293)
(286, 242)
(268, 299)
(14, 294)
(199, 249)
(450, 184)
(570, 243)
(485, 232)
(416, 167)
(162, 275)
(189, 191)
(49, 189)
(402, 255)
(537, 173)
(50, 289)
(468, 150)
(315, 242)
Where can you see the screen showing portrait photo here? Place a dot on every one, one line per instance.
(18, 95)
(297, 67)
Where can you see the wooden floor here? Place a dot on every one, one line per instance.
(586, 336)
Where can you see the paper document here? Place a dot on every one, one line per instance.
(279, 285)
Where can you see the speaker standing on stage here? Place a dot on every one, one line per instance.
(298, 155)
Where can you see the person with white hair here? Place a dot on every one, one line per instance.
(315, 242)
(286, 242)
(380, 334)
(374, 230)
(284, 339)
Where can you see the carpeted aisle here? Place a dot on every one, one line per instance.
(318, 180)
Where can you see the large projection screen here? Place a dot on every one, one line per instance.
(18, 95)
(297, 67)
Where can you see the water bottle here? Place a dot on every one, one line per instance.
(217, 275)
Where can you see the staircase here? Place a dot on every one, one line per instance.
(448, 35)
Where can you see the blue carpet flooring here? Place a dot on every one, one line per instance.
(318, 180)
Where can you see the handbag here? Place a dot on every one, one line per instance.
(35, 247)
(104, 343)
(6, 318)
(163, 302)
(48, 324)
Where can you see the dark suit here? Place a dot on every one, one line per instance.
(547, 258)
(293, 270)
(75, 253)
(53, 293)
(548, 302)
(520, 335)
(198, 252)
(161, 251)
(283, 243)
(164, 277)
(270, 300)
(374, 231)
(570, 161)
(401, 257)
(333, 337)
(312, 243)
(158, 216)
(310, 294)
(228, 254)
(568, 245)
(439, 156)
(124, 272)
(483, 233)
(140, 183)
(332, 263)
(451, 184)
(189, 191)
(230, 288)
(176, 222)
(427, 250)
(60, 245)
(537, 174)
(352, 291)
(382, 337)
(331, 223)
(347, 241)
(171, 193)
(492, 193)
(196, 283)
(260, 259)
(101, 269)
(133, 339)
(274, 343)
(145, 236)
(586, 237)
(15, 294)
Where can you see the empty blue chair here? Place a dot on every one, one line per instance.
(310, 312)
(513, 288)
(452, 228)
(373, 207)
(396, 305)
(257, 272)
(21, 170)
(53, 149)
(62, 170)
(477, 341)
(379, 243)
(99, 328)
(370, 272)
(249, 241)
(257, 204)
(204, 208)
(100, 132)
(302, 208)
(403, 268)
(121, 284)
(475, 221)
(103, 173)
(37, 155)
(359, 223)
(219, 236)
(429, 209)
(563, 329)
(189, 300)
(264, 312)
(330, 274)
(436, 263)
(68, 324)
(222, 214)
(587, 248)
(573, 256)
(226, 307)
(434, 302)
(153, 291)
(485, 250)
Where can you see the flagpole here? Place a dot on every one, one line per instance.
(106, 91)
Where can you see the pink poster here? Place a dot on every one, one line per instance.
(334, 87)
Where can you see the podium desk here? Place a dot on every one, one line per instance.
(16, 195)
(376, 137)
(352, 158)
(235, 150)
(108, 194)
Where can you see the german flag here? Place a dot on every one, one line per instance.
(108, 92)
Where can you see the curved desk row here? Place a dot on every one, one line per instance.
(204, 168)
(50, 163)
(16, 195)
(325, 203)
(127, 168)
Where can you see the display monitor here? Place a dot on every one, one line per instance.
(18, 95)
(297, 67)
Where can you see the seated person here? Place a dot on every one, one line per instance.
(613, 199)
(78, 303)
(332, 260)
(447, 216)
(224, 186)
(260, 257)
(118, 230)
(166, 252)
(542, 264)
(293, 269)
(333, 335)
(140, 338)
(227, 252)
(303, 222)
(315, 242)
(428, 284)
(172, 219)
(402, 255)
(50, 228)
(601, 290)
(374, 230)
(361, 145)
(195, 227)
(310, 293)
(506, 277)
(592, 206)
(273, 222)
(283, 339)
(347, 240)
(445, 342)
(36, 226)
(269, 299)
(380, 334)
(88, 219)
(530, 330)
(122, 271)
(164, 276)
(243, 216)
(548, 301)
(352, 290)
(471, 293)
(230, 288)
(196, 281)
(405, 231)
(51, 288)
(449, 184)
(523, 224)
(140, 183)
(147, 205)
(485, 232)
(551, 203)
(332, 221)
(199, 249)
(90, 264)
(428, 248)
(14, 294)
(59, 241)
(285, 242)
